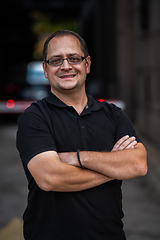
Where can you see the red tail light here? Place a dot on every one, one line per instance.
(10, 104)
(101, 100)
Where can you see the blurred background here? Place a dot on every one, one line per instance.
(123, 38)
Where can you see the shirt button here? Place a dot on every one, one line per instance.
(82, 127)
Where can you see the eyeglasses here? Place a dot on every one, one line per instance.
(57, 61)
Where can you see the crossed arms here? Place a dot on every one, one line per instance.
(61, 172)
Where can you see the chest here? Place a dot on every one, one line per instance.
(93, 132)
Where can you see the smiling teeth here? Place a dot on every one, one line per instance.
(67, 76)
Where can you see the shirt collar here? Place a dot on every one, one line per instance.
(93, 104)
(52, 99)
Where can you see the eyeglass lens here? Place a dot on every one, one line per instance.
(55, 61)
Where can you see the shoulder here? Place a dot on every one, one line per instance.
(113, 112)
(110, 108)
(36, 108)
(30, 115)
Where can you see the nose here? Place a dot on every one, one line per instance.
(65, 64)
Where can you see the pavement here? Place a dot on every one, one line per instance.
(141, 196)
(141, 199)
(13, 230)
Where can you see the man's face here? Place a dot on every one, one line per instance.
(66, 76)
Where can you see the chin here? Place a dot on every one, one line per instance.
(69, 87)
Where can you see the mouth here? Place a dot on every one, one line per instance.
(68, 76)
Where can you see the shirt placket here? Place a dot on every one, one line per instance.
(83, 130)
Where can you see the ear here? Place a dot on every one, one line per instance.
(88, 64)
(44, 64)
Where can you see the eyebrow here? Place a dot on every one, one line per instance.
(69, 55)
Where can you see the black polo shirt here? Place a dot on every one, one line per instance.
(93, 214)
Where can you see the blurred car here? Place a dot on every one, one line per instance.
(26, 84)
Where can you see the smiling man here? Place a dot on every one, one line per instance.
(75, 151)
(66, 69)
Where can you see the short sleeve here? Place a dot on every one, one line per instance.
(124, 126)
(34, 136)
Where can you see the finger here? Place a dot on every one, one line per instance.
(120, 142)
(127, 143)
(131, 145)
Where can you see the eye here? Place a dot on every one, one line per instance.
(55, 61)
(74, 59)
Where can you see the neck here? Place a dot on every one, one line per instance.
(77, 100)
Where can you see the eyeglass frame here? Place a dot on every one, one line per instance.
(82, 58)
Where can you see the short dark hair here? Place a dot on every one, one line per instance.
(65, 33)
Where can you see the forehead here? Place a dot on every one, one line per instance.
(64, 45)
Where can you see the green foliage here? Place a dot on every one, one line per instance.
(43, 24)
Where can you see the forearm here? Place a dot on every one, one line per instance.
(117, 164)
(124, 164)
(51, 174)
(75, 179)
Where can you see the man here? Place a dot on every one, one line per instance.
(75, 151)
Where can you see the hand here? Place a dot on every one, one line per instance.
(125, 142)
